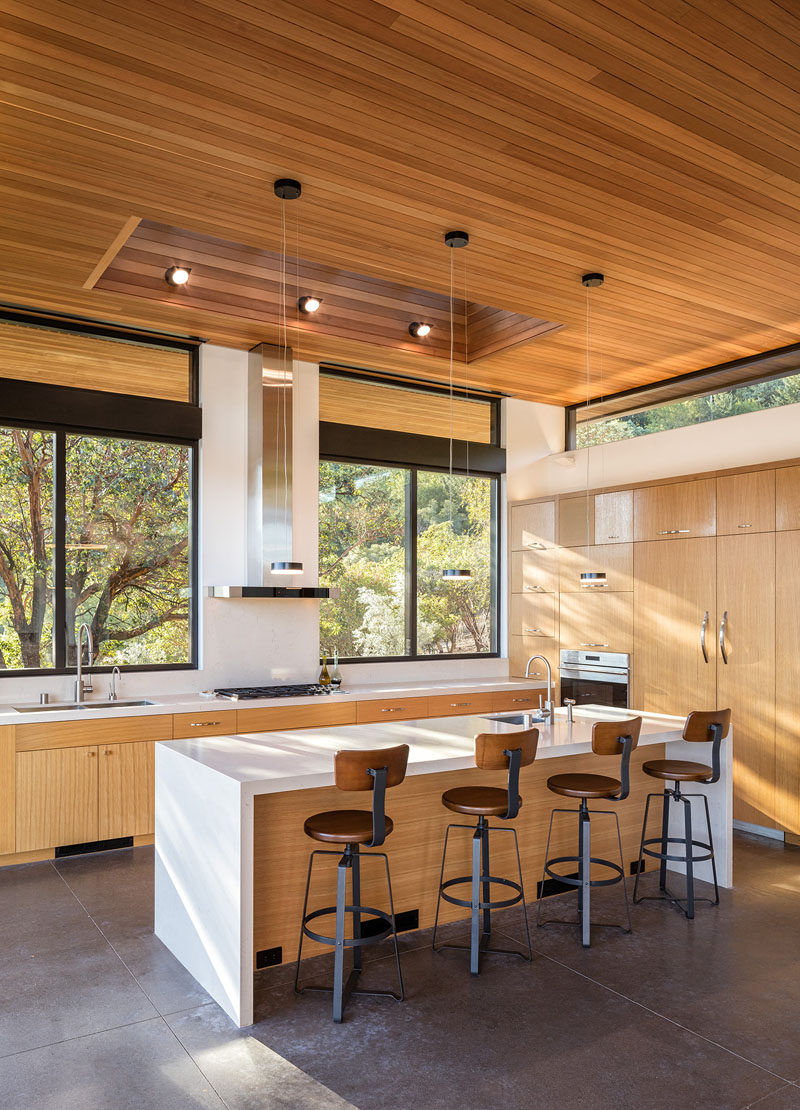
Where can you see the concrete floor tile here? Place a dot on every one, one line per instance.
(39, 913)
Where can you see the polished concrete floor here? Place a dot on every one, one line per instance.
(95, 1013)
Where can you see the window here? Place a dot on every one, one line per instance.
(385, 536)
(750, 397)
(109, 546)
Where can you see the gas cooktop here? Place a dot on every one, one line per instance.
(297, 690)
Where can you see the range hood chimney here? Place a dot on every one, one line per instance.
(270, 441)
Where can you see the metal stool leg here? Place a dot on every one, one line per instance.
(487, 913)
(662, 874)
(302, 922)
(522, 891)
(687, 816)
(356, 881)
(584, 874)
(441, 880)
(544, 873)
(624, 886)
(711, 846)
(641, 848)
(402, 994)
(474, 946)
(338, 959)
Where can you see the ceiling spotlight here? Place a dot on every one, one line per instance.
(177, 275)
(309, 304)
(418, 330)
(283, 567)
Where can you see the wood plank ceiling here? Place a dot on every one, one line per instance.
(655, 141)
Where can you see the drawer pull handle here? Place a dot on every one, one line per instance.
(744, 525)
(108, 751)
(540, 589)
(394, 709)
(524, 701)
(537, 631)
(203, 724)
(536, 546)
(613, 537)
(91, 755)
(459, 704)
(584, 644)
(673, 531)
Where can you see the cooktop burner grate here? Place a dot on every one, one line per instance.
(296, 690)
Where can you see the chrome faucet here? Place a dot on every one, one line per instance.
(548, 708)
(569, 702)
(82, 688)
(112, 692)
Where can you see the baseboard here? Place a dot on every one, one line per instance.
(758, 830)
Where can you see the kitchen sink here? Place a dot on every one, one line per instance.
(70, 706)
(517, 718)
(120, 703)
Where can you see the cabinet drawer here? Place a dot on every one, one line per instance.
(447, 705)
(533, 526)
(515, 699)
(220, 722)
(614, 559)
(596, 619)
(534, 572)
(533, 615)
(677, 511)
(613, 517)
(332, 711)
(400, 709)
(88, 730)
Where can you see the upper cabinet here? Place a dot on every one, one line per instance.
(746, 503)
(787, 498)
(613, 517)
(681, 510)
(615, 560)
(534, 572)
(575, 521)
(533, 527)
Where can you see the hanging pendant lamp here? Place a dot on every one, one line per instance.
(285, 189)
(455, 240)
(590, 579)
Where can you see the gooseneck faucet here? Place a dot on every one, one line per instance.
(548, 710)
(112, 692)
(82, 688)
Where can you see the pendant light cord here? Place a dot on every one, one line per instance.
(588, 395)
(466, 364)
(283, 388)
(451, 405)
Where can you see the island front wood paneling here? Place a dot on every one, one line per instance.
(7, 789)
(415, 847)
(85, 730)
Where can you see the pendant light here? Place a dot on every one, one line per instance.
(590, 579)
(454, 240)
(285, 189)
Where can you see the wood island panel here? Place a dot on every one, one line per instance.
(414, 848)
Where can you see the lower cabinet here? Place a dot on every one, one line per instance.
(126, 789)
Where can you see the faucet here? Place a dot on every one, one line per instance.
(112, 693)
(82, 688)
(569, 702)
(548, 709)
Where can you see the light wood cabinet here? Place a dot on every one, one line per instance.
(674, 605)
(7, 790)
(745, 635)
(396, 709)
(456, 705)
(746, 503)
(89, 730)
(533, 615)
(533, 526)
(675, 511)
(576, 521)
(522, 648)
(534, 571)
(523, 700)
(56, 797)
(126, 789)
(613, 517)
(597, 619)
(333, 710)
(616, 560)
(787, 498)
(787, 673)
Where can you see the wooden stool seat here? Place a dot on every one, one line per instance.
(478, 801)
(342, 826)
(584, 786)
(677, 770)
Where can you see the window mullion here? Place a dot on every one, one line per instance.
(411, 564)
(59, 551)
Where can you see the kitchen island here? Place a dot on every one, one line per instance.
(231, 855)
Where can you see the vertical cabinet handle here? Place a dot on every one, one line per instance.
(703, 628)
(723, 625)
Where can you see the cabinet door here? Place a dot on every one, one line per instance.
(56, 798)
(746, 503)
(597, 619)
(575, 521)
(522, 648)
(533, 526)
(674, 590)
(787, 497)
(534, 571)
(613, 517)
(7, 790)
(787, 674)
(126, 789)
(616, 560)
(400, 709)
(675, 511)
(746, 682)
(533, 615)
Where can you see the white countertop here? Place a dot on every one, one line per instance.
(265, 763)
(195, 703)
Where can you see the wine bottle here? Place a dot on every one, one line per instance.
(324, 676)
(336, 674)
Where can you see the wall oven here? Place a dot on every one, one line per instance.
(596, 677)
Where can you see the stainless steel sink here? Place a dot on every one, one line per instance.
(120, 703)
(71, 706)
(517, 718)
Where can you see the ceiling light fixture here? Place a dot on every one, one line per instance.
(590, 579)
(419, 330)
(285, 189)
(177, 275)
(454, 239)
(309, 304)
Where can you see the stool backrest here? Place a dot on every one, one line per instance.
(708, 727)
(495, 751)
(618, 738)
(373, 770)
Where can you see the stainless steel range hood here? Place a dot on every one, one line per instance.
(270, 409)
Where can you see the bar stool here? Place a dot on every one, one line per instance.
(493, 752)
(700, 728)
(608, 738)
(354, 770)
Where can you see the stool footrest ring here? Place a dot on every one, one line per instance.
(676, 840)
(467, 902)
(349, 942)
(616, 878)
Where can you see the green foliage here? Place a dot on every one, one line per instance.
(692, 410)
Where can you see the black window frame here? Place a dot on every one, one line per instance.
(360, 446)
(62, 411)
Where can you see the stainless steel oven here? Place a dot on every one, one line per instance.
(596, 677)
